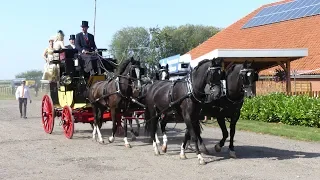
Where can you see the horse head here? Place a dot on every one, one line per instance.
(208, 73)
(248, 76)
(163, 72)
(133, 71)
(240, 80)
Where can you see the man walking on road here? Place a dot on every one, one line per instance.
(23, 95)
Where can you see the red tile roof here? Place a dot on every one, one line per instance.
(297, 33)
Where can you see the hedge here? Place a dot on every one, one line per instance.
(277, 107)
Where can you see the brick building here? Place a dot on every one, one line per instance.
(280, 25)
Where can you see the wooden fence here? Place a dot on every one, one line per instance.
(315, 94)
(6, 91)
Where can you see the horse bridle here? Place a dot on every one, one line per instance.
(189, 83)
(244, 73)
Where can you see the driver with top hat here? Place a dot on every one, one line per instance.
(84, 40)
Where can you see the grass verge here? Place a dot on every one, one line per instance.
(278, 129)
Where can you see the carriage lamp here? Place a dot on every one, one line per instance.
(66, 80)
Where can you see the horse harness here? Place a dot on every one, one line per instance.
(118, 90)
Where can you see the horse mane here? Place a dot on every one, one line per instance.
(123, 66)
(231, 69)
(202, 62)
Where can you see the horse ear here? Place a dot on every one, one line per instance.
(245, 64)
(167, 66)
(159, 66)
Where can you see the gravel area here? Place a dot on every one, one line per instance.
(27, 152)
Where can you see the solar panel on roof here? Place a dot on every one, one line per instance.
(283, 12)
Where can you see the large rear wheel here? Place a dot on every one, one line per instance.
(47, 112)
(68, 122)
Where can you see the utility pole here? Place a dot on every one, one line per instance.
(94, 21)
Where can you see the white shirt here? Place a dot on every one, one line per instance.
(26, 92)
(73, 46)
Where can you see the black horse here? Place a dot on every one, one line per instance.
(184, 96)
(161, 73)
(115, 95)
(239, 81)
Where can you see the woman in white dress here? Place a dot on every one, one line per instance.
(48, 56)
(52, 71)
(58, 45)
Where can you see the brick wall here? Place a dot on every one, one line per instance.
(269, 86)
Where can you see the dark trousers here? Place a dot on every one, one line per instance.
(23, 102)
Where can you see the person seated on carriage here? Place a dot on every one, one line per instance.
(72, 42)
(48, 56)
(52, 70)
(84, 44)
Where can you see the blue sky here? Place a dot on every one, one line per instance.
(26, 25)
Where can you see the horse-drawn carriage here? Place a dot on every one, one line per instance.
(68, 97)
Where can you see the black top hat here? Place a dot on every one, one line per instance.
(72, 37)
(85, 24)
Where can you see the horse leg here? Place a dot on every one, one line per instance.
(126, 143)
(204, 148)
(138, 126)
(163, 124)
(154, 125)
(225, 133)
(94, 132)
(184, 145)
(133, 137)
(157, 139)
(114, 124)
(194, 130)
(233, 123)
(99, 121)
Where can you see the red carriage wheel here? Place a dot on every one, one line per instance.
(68, 123)
(47, 113)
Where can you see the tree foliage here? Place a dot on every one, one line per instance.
(30, 75)
(156, 43)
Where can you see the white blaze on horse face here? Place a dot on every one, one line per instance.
(163, 75)
(137, 70)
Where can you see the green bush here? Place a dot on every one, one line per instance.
(278, 107)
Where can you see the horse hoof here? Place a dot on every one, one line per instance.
(127, 145)
(202, 162)
(101, 142)
(183, 156)
(232, 154)
(111, 139)
(217, 148)
(157, 153)
(164, 148)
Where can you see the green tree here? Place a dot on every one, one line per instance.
(156, 43)
(128, 41)
(30, 75)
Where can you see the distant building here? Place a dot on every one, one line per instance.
(178, 65)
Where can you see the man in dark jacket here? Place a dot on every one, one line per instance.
(84, 44)
(84, 40)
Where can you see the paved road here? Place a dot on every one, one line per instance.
(28, 153)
